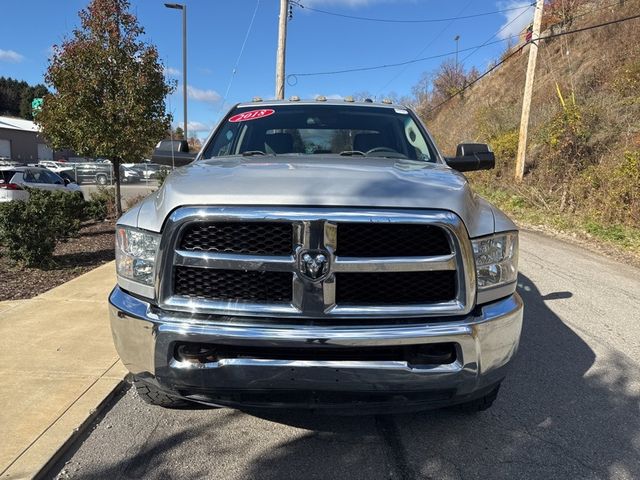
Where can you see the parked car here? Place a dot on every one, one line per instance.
(321, 255)
(92, 172)
(129, 175)
(14, 182)
(174, 153)
(148, 170)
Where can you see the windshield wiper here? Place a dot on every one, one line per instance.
(250, 153)
(351, 153)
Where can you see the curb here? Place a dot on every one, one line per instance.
(79, 431)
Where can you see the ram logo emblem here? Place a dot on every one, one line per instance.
(314, 265)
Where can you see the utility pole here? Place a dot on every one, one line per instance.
(457, 39)
(528, 90)
(282, 45)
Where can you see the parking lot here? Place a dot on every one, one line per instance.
(569, 409)
(128, 191)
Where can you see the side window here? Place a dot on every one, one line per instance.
(50, 177)
(30, 177)
(223, 143)
(6, 176)
(416, 140)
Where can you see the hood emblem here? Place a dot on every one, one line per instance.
(314, 265)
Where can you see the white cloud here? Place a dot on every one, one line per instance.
(210, 96)
(521, 18)
(196, 126)
(172, 72)
(10, 56)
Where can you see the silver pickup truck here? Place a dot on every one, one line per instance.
(323, 255)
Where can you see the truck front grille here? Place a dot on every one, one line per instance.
(211, 284)
(260, 262)
(395, 288)
(253, 238)
(390, 240)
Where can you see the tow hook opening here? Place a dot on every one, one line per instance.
(414, 355)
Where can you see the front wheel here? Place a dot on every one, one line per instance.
(479, 404)
(154, 396)
(101, 179)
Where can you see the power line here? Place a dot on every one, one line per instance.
(385, 20)
(293, 76)
(431, 42)
(497, 33)
(546, 37)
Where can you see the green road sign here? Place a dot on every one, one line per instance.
(36, 105)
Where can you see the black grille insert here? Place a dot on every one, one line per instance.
(423, 354)
(391, 240)
(395, 288)
(212, 284)
(257, 238)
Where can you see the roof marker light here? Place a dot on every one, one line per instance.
(349, 99)
(321, 98)
(256, 99)
(387, 101)
(294, 98)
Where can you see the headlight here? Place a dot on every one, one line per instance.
(496, 261)
(136, 258)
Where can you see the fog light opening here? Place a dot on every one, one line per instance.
(195, 353)
(433, 354)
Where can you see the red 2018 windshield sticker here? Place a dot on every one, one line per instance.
(252, 115)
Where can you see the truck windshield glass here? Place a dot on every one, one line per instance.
(320, 129)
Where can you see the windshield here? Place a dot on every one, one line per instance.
(321, 129)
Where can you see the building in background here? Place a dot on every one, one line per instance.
(21, 141)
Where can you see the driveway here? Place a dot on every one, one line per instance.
(569, 409)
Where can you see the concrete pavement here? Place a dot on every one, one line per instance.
(57, 365)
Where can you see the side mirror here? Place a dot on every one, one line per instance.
(472, 156)
(66, 181)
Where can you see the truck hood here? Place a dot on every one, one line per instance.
(327, 181)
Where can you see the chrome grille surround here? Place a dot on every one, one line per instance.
(314, 229)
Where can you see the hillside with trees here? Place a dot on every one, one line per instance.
(16, 97)
(583, 158)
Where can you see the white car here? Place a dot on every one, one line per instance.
(15, 180)
(54, 166)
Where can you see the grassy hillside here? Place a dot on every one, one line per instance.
(583, 160)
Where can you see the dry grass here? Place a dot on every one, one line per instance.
(583, 159)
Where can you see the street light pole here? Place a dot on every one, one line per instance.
(183, 7)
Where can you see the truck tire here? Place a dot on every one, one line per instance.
(101, 179)
(153, 396)
(479, 404)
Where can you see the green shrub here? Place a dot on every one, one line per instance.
(163, 173)
(627, 82)
(505, 144)
(30, 230)
(101, 204)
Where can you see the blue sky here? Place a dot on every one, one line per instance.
(317, 42)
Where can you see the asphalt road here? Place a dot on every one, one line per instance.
(570, 408)
(128, 191)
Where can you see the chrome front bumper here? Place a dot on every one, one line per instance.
(145, 338)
